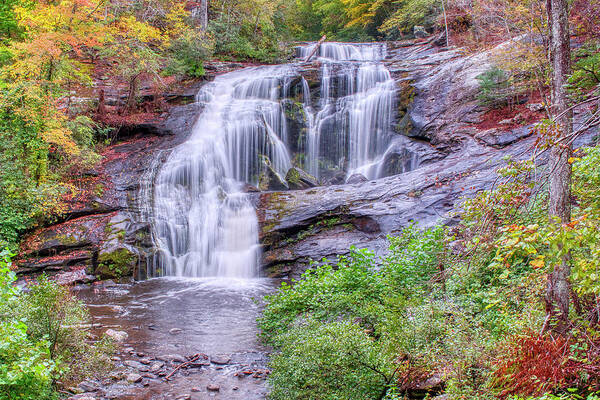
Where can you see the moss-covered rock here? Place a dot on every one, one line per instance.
(116, 263)
(269, 179)
(298, 179)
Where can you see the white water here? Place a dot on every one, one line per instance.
(355, 110)
(203, 224)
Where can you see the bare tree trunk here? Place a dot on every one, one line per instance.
(199, 13)
(558, 289)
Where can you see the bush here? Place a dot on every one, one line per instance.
(495, 90)
(188, 53)
(42, 339)
(26, 367)
(53, 314)
(327, 361)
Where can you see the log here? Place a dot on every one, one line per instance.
(312, 53)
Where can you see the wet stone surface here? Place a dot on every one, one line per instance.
(215, 352)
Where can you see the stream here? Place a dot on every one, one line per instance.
(205, 289)
(167, 319)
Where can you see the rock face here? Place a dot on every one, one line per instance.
(100, 236)
(441, 152)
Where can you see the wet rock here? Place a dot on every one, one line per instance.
(171, 358)
(116, 261)
(356, 178)
(220, 359)
(75, 275)
(145, 361)
(82, 397)
(247, 188)
(196, 389)
(88, 386)
(185, 397)
(213, 388)
(117, 336)
(502, 138)
(298, 179)
(134, 378)
(135, 364)
(175, 331)
(155, 367)
(269, 179)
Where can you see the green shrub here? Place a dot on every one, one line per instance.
(495, 89)
(328, 361)
(188, 53)
(26, 367)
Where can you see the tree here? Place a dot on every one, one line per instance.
(558, 288)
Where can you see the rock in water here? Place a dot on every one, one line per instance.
(269, 178)
(213, 388)
(298, 179)
(117, 336)
(356, 178)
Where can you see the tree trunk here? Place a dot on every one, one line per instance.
(558, 289)
(199, 12)
(131, 98)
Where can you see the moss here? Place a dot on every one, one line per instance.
(67, 240)
(293, 177)
(115, 264)
(406, 97)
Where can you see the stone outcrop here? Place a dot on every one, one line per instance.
(442, 152)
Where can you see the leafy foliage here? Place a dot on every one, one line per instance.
(42, 339)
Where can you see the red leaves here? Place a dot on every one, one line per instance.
(534, 364)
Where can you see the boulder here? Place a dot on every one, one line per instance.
(356, 178)
(269, 179)
(298, 179)
(116, 261)
(117, 336)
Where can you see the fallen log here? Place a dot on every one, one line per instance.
(312, 53)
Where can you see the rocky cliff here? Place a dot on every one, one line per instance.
(440, 124)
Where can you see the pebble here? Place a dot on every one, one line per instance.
(88, 386)
(145, 361)
(175, 331)
(220, 359)
(117, 336)
(137, 365)
(185, 397)
(171, 358)
(196, 389)
(213, 388)
(235, 388)
(156, 366)
(134, 378)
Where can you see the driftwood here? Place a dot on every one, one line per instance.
(312, 53)
(193, 359)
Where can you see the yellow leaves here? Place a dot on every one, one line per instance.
(131, 28)
(538, 262)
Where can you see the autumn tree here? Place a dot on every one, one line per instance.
(558, 290)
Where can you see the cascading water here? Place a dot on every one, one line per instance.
(355, 112)
(204, 225)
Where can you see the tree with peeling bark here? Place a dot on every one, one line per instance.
(558, 288)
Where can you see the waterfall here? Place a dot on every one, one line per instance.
(204, 225)
(350, 129)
